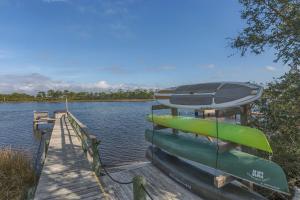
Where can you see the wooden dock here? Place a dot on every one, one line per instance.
(41, 117)
(158, 184)
(68, 174)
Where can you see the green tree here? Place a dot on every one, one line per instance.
(66, 93)
(280, 107)
(58, 95)
(276, 24)
(271, 23)
(50, 93)
(41, 94)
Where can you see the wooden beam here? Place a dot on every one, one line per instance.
(159, 127)
(196, 114)
(139, 183)
(226, 146)
(245, 112)
(247, 185)
(210, 138)
(174, 112)
(222, 180)
(159, 107)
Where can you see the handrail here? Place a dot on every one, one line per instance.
(90, 147)
(89, 142)
(77, 121)
(79, 126)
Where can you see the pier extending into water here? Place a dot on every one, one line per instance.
(72, 170)
(66, 172)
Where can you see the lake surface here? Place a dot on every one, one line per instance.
(119, 125)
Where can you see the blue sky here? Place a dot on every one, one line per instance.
(95, 44)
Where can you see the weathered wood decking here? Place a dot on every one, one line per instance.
(67, 173)
(158, 185)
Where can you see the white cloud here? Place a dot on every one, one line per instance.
(102, 85)
(32, 83)
(270, 68)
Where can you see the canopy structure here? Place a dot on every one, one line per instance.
(218, 95)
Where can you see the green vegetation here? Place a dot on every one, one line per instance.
(16, 174)
(271, 23)
(276, 24)
(57, 95)
(280, 120)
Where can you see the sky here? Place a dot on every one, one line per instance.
(110, 44)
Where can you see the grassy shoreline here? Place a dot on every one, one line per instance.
(17, 174)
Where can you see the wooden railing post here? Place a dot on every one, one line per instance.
(45, 149)
(84, 143)
(174, 112)
(245, 112)
(138, 192)
(96, 161)
(43, 155)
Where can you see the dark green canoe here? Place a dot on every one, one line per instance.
(236, 163)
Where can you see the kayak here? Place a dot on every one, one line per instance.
(238, 134)
(217, 95)
(198, 177)
(233, 162)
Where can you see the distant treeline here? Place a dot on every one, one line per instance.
(58, 95)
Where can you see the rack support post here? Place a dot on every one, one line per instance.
(138, 191)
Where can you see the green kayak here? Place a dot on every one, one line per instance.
(238, 134)
(236, 163)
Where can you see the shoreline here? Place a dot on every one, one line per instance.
(70, 101)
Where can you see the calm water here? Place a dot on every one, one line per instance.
(119, 125)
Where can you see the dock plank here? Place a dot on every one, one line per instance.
(160, 186)
(66, 173)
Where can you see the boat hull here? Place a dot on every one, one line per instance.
(196, 179)
(233, 162)
(238, 134)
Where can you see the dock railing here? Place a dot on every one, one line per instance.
(90, 145)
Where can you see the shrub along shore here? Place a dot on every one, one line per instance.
(137, 95)
(17, 174)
